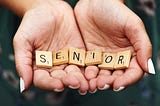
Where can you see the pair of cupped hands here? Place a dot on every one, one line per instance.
(106, 25)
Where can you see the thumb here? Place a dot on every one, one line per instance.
(23, 60)
(139, 39)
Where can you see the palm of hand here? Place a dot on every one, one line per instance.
(108, 30)
(50, 28)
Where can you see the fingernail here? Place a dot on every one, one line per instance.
(93, 91)
(151, 67)
(58, 90)
(119, 89)
(106, 86)
(145, 75)
(82, 93)
(22, 85)
(73, 87)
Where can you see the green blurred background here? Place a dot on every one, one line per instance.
(144, 93)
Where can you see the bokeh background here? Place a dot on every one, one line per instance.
(146, 92)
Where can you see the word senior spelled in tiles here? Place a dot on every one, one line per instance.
(80, 57)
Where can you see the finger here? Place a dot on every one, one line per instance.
(104, 80)
(58, 71)
(43, 80)
(74, 74)
(117, 73)
(23, 60)
(93, 85)
(84, 86)
(84, 83)
(137, 34)
(71, 80)
(130, 76)
(58, 67)
(58, 74)
(91, 72)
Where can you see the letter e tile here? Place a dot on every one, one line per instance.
(60, 57)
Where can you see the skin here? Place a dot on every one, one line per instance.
(48, 26)
(107, 25)
(110, 26)
(17, 6)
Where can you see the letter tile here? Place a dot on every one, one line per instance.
(93, 57)
(122, 60)
(76, 56)
(44, 59)
(108, 61)
(60, 57)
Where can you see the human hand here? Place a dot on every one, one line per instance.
(50, 26)
(110, 26)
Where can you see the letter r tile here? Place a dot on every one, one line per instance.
(122, 60)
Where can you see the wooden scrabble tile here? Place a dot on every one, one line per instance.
(93, 57)
(122, 59)
(76, 56)
(44, 59)
(60, 57)
(107, 61)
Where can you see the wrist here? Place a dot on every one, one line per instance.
(123, 1)
(38, 4)
(17, 6)
(20, 7)
(42, 3)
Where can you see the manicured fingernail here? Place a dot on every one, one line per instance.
(22, 85)
(119, 89)
(151, 69)
(58, 90)
(106, 86)
(145, 74)
(73, 87)
(93, 91)
(82, 93)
